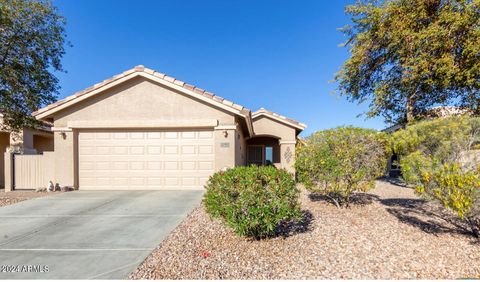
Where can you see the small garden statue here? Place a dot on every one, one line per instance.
(50, 186)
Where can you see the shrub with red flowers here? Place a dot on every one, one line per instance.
(253, 200)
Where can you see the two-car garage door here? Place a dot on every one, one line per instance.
(126, 159)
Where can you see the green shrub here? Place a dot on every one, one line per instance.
(458, 190)
(434, 142)
(413, 165)
(253, 200)
(338, 162)
(432, 159)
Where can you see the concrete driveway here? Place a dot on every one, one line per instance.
(88, 234)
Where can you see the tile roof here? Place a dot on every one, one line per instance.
(189, 89)
(140, 69)
(263, 111)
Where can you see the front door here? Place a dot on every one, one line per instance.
(255, 155)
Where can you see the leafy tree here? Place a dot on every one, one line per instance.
(32, 37)
(338, 162)
(410, 55)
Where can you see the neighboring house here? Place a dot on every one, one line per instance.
(25, 141)
(145, 130)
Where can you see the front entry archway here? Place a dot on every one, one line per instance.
(263, 150)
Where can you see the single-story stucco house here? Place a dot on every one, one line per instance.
(142, 129)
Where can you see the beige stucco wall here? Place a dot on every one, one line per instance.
(224, 148)
(287, 156)
(37, 141)
(42, 144)
(28, 140)
(240, 148)
(287, 135)
(266, 126)
(4, 143)
(8, 163)
(138, 100)
(64, 158)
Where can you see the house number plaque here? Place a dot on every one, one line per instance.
(225, 145)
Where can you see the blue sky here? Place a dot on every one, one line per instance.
(281, 55)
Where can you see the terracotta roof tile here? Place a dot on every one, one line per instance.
(218, 98)
(226, 102)
(169, 78)
(141, 68)
(208, 94)
(149, 71)
(127, 72)
(265, 111)
(199, 90)
(159, 74)
(189, 86)
(237, 106)
(179, 82)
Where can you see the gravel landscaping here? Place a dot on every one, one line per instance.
(387, 234)
(9, 198)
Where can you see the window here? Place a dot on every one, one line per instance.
(259, 155)
(268, 155)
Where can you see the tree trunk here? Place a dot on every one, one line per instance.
(474, 226)
(409, 109)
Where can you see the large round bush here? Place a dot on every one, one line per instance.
(340, 161)
(252, 200)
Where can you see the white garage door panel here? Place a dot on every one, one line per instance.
(145, 160)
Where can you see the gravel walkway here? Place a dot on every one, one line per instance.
(389, 234)
(9, 198)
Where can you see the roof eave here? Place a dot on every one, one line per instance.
(249, 121)
(299, 126)
(46, 112)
